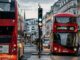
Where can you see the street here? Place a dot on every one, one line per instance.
(39, 29)
(30, 53)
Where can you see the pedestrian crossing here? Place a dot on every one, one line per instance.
(34, 57)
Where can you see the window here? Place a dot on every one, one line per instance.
(6, 5)
(65, 39)
(7, 9)
(6, 30)
(65, 19)
(62, 19)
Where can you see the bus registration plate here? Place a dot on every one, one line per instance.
(4, 48)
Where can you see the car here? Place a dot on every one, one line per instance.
(20, 45)
(46, 44)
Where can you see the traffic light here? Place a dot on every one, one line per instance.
(40, 22)
(40, 16)
(40, 11)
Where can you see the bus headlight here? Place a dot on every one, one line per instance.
(71, 28)
(75, 49)
(55, 48)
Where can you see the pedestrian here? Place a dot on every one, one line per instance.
(25, 39)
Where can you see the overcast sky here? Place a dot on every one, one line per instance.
(31, 6)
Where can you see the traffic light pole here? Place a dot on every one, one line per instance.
(40, 30)
(40, 46)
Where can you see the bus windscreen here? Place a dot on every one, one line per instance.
(65, 39)
(62, 19)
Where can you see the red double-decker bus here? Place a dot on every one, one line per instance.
(64, 34)
(8, 29)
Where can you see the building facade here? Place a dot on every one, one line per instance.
(47, 24)
(68, 6)
(31, 28)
